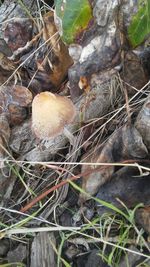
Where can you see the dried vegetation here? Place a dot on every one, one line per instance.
(89, 198)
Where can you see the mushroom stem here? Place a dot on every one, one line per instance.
(69, 135)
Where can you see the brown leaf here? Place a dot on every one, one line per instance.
(125, 143)
(91, 182)
(13, 102)
(59, 55)
(49, 67)
(142, 217)
(16, 114)
(21, 95)
(18, 32)
(133, 72)
(143, 123)
(6, 64)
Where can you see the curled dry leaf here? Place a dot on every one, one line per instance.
(91, 182)
(132, 64)
(125, 143)
(21, 95)
(143, 123)
(59, 56)
(16, 114)
(18, 32)
(13, 102)
(6, 64)
(7, 67)
(4, 49)
(48, 68)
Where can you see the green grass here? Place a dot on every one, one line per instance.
(98, 233)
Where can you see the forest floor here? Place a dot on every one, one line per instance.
(74, 144)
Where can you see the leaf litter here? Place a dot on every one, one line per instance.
(108, 160)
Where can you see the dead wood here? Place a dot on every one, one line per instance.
(42, 250)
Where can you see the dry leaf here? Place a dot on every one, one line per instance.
(143, 123)
(125, 143)
(13, 102)
(58, 58)
(18, 32)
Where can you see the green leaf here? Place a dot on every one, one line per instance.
(74, 17)
(139, 28)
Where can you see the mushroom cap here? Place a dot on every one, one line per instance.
(50, 114)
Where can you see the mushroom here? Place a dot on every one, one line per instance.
(51, 113)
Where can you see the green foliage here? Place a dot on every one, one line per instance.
(74, 17)
(139, 28)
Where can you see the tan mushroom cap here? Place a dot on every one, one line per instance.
(50, 114)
